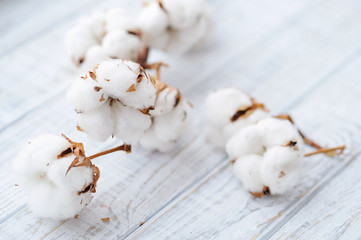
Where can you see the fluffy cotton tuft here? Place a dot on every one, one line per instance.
(171, 117)
(267, 156)
(228, 110)
(54, 191)
(174, 25)
(102, 35)
(114, 100)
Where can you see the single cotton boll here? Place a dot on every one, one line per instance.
(142, 96)
(97, 123)
(130, 123)
(165, 102)
(112, 31)
(93, 56)
(244, 142)
(183, 13)
(221, 107)
(182, 41)
(174, 25)
(95, 23)
(33, 161)
(247, 169)
(41, 169)
(167, 128)
(277, 132)
(85, 94)
(121, 44)
(77, 41)
(222, 104)
(281, 168)
(170, 126)
(116, 77)
(117, 19)
(152, 19)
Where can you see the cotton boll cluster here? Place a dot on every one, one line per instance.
(114, 100)
(267, 156)
(171, 117)
(57, 175)
(102, 35)
(228, 110)
(174, 25)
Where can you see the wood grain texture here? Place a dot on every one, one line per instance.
(297, 56)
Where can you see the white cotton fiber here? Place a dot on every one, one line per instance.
(54, 191)
(174, 25)
(247, 169)
(275, 143)
(220, 107)
(103, 35)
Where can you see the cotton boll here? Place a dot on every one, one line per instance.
(281, 168)
(167, 128)
(220, 108)
(95, 23)
(31, 164)
(183, 13)
(41, 169)
(77, 41)
(170, 126)
(277, 132)
(246, 141)
(130, 123)
(152, 20)
(247, 169)
(85, 94)
(222, 104)
(118, 19)
(121, 44)
(116, 77)
(142, 96)
(166, 100)
(93, 56)
(102, 35)
(97, 123)
(183, 41)
(174, 26)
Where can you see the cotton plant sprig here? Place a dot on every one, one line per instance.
(168, 25)
(119, 99)
(59, 178)
(267, 150)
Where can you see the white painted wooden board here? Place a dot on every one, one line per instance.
(297, 56)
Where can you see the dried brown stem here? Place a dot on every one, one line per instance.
(307, 140)
(329, 151)
(124, 147)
